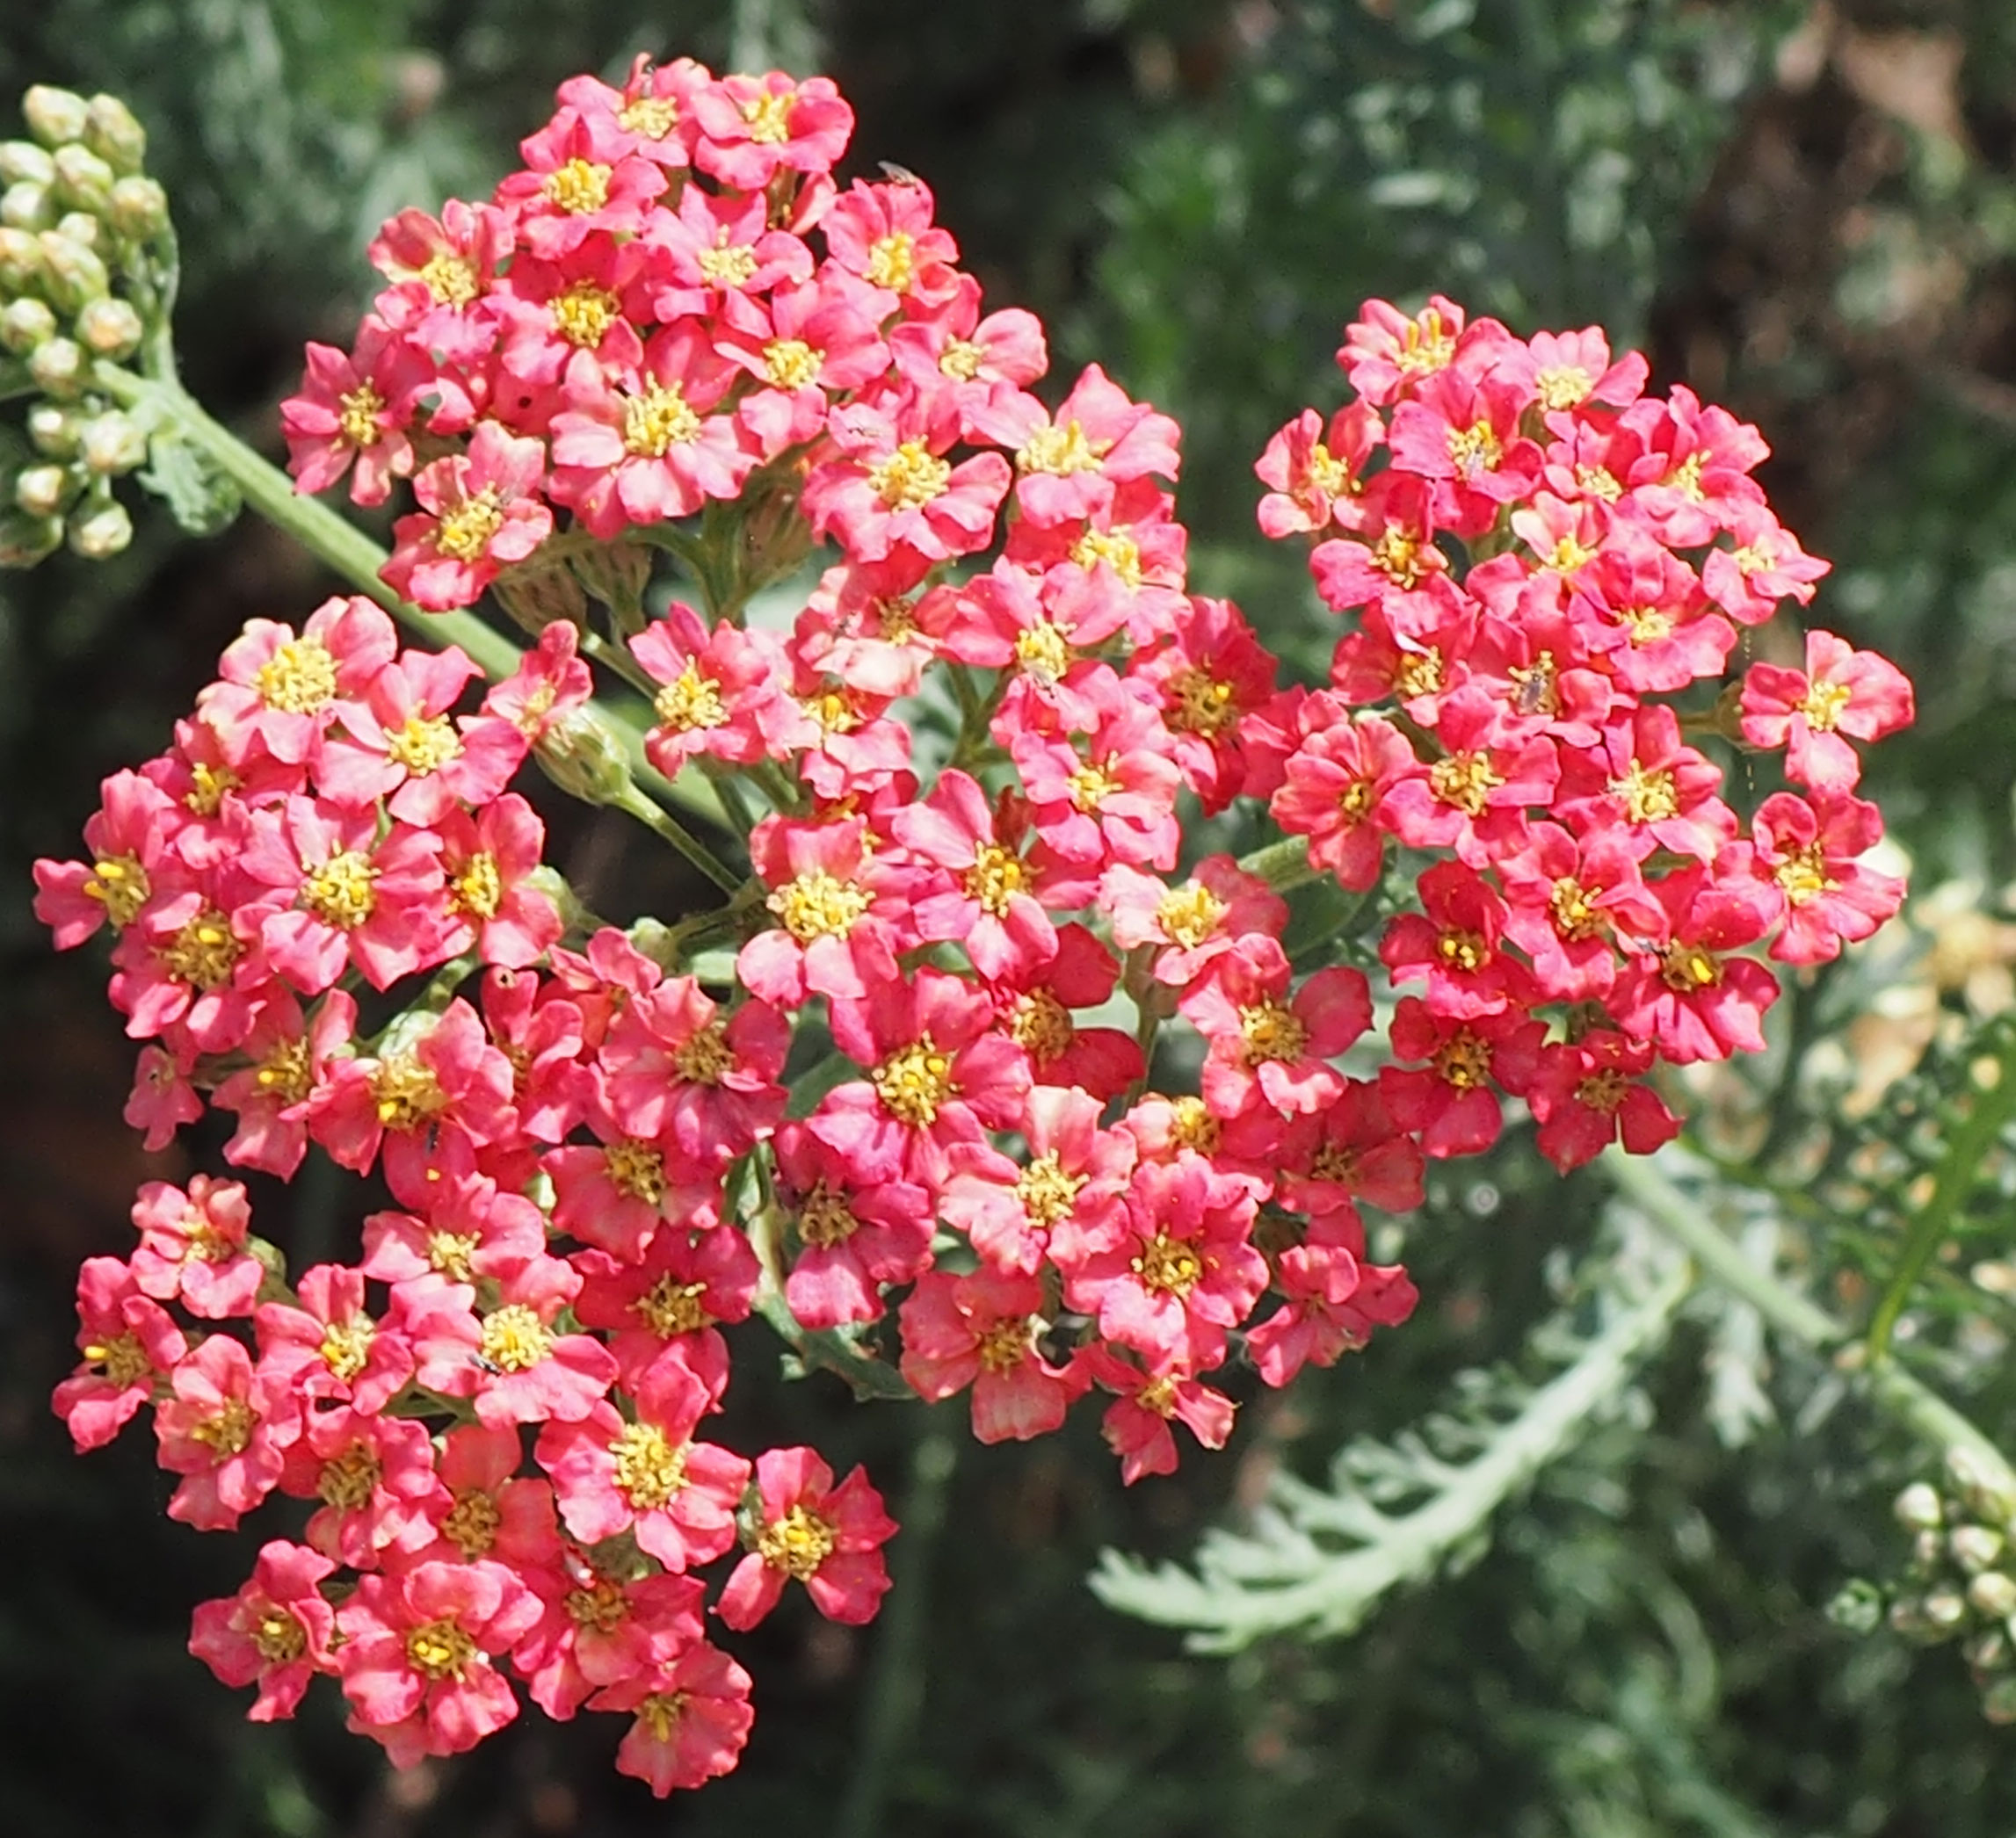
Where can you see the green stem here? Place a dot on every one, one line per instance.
(1887, 1384)
(896, 1683)
(1958, 1170)
(663, 823)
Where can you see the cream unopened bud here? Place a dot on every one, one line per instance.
(1928, 1550)
(1945, 1609)
(1998, 1701)
(113, 444)
(24, 323)
(1987, 1489)
(27, 206)
(59, 367)
(1917, 1508)
(24, 540)
(112, 132)
(75, 274)
(84, 181)
(20, 261)
(23, 160)
(1993, 1594)
(1974, 1547)
(138, 210)
(54, 430)
(84, 227)
(101, 533)
(110, 329)
(43, 490)
(1987, 1652)
(583, 758)
(54, 117)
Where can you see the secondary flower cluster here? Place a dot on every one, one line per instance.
(673, 328)
(1614, 542)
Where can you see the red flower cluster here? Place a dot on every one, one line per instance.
(674, 310)
(1615, 542)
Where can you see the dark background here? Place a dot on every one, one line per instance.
(1808, 214)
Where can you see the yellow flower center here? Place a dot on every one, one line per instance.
(1092, 785)
(1196, 702)
(1534, 690)
(1686, 969)
(464, 533)
(1474, 449)
(122, 1359)
(1568, 555)
(1397, 555)
(207, 784)
(658, 421)
(1059, 451)
(1418, 673)
(1645, 624)
(424, 744)
(635, 1169)
(653, 117)
(279, 1638)
(1464, 1060)
(1190, 914)
(578, 186)
(515, 1339)
(1685, 478)
(960, 361)
(299, 678)
(791, 363)
(448, 1254)
(405, 1091)
(472, 1522)
(1563, 386)
(1047, 1192)
(284, 1075)
(1270, 1031)
(1006, 1344)
(769, 117)
(602, 1606)
(348, 1480)
(1042, 1026)
(1466, 952)
(204, 952)
(1169, 1266)
(1465, 780)
(910, 478)
(670, 1307)
(995, 878)
(1603, 1090)
(1803, 874)
(891, 263)
(451, 280)
(356, 416)
(1334, 1162)
(661, 1713)
(228, 1431)
(342, 891)
(1823, 706)
(1116, 548)
(439, 1649)
(1599, 483)
(727, 265)
(1650, 795)
(1575, 917)
(649, 1471)
(1192, 1125)
(478, 890)
(1043, 650)
(818, 905)
(706, 1058)
(120, 884)
(584, 313)
(346, 1346)
(798, 1542)
(1328, 474)
(913, 1081)
(1426, 349)
(689, 701)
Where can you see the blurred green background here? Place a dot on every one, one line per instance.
(1807, 212)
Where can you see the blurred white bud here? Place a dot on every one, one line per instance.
(54, 117)
(24, 323)
(101, 533)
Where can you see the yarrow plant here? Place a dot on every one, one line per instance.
(996, 1073)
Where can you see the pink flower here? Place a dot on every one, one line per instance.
(331, 1346)
(1687, 994)
(672, 1306)
(1337, 788)
(693, 1711)
(491, 1510)
(647, 1474)
(1386, 355)
(550, 682)
(839, 920)
(1842, 692)
(129, 1345)
(472, 1229)
(279, 688)
(984, 1331)
(192, 1247)
(225, 1431)
(891, 486)
(374, 1476)
(417, 1656)
(481, 512)
(1196, 922)
(274, 1632)
(1068, 464)
(127, 837)
(1268, 1048)
(1335, 1299)
(1136, 1424)
(718, 686)
(1454, 946)
(487, 860)
(1064, 1204)
(1585, 1095)
(677, 1068)
(1475, 798)
(1808, 849)
(855, 1235)
(1766, 566)
(824, 1537)
(1313, 472)
(884, 232)
(597, 1630)
(751, 126)
(357, 406)
(1449, 1103)
(992, 908)
(515, 1360)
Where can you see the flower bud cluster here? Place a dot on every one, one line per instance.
(674, 330)
(80, 278)
(1961, 1583)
